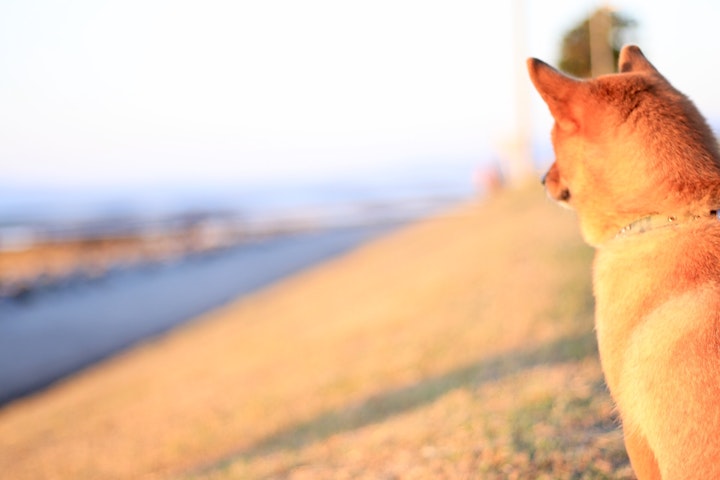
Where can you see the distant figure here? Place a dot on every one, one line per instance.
(488, 179)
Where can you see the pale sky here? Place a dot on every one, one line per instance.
(149, 91)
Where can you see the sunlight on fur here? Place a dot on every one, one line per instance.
(640, 166)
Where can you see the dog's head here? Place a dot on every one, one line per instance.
(626, 145)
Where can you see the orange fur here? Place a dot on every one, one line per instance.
(630, 146)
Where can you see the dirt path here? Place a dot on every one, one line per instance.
(459, 347)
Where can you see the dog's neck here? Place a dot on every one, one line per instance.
(654, 222)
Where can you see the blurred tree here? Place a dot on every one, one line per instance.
(593, 46)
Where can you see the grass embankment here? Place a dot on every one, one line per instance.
(459, 347)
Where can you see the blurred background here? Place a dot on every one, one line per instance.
(149, 145)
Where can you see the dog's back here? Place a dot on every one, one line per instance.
(638, 163)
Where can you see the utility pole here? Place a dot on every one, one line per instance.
(520, 156)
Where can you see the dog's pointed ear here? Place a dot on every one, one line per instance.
(632, 60)
(557, 89)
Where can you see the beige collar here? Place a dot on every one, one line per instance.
(654, 222)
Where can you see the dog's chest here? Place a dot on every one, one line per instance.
(627, 285)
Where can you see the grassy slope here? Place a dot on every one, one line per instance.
(460, 347)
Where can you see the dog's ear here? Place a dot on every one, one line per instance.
(632, 60)
(557, 89)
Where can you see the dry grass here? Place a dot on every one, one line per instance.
(460, 347)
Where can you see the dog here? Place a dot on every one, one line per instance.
(640, 166)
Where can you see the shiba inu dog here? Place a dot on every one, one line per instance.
(640, 166)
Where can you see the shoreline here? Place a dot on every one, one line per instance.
(51, 256)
